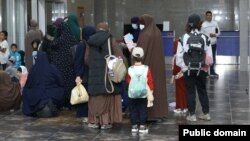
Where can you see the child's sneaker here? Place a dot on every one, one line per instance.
(143, 129)
(85, 120)
(134, 128)
(106, 126)
(205, 116)
(191, 117)
(93, 125)
(177, 111)
(185, 110)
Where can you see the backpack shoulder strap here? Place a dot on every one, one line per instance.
(110, 82)
(207, 39)
(145, 71)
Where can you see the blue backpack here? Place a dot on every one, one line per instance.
(138, 84)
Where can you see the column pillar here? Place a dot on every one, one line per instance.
(34, 12)
(248, 52)
(243, 35)
(1, 14)
(11, 26)
(101, 12)
(41, 14)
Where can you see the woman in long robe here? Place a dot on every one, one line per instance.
(150, 40)
(61, 57)
(104, 108)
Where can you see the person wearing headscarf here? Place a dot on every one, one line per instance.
(151, 41)
(11, 70)
(10, 97)
(104, 108)
(44, 86)
(58, 21)
(88, 31)
(33, 33)
(135, 23)
(74, 26)
(46, 44)
(61, 57)
(81, 68)
(23, 75)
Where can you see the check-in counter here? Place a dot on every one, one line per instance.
(168, 40)
(228, 43)
(227, 46)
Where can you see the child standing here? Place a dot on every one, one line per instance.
(4, 49)
(35, 45)
(180, 85)
(139, 76)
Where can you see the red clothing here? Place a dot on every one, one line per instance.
(180, 86)
(150, 79)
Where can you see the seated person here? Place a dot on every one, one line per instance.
(10, 97)
(15, 56)
(43, 92)
(22, 72)
(11, 70)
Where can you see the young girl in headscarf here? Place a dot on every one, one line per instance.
(23, 74)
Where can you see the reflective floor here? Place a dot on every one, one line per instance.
(229, 104)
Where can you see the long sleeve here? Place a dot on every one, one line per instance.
(79, 60)
(128, 78)
(117, 51)
(179, 57)
(150, 80)
(209, 54)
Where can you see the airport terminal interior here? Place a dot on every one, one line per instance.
(229, 105)
(228, 94)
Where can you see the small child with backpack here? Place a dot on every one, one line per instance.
(139, 79)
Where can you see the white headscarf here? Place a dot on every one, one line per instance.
(24, 70)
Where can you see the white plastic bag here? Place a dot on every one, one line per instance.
(79, 95)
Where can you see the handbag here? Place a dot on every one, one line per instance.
(79, 94)
(115, 69)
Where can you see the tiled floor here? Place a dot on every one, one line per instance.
(229, 104)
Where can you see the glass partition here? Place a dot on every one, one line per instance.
(55, 10)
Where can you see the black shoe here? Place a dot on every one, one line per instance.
(214, 75)
(207, 75)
